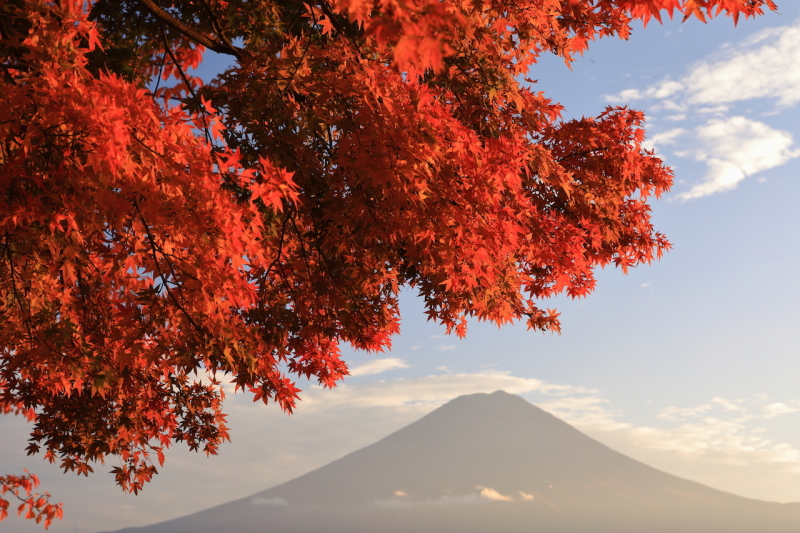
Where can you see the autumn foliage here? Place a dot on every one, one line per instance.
(32, 506)
(156, 231)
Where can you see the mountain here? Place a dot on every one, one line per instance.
(488, 463)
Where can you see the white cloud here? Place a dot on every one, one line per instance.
(777, 409)
(428, 392)
(715, 110)
(625, 96)
(485, 495)
(735, 148)
(727, 405)
(493, 495)
(665, 137)
(588, 411)
(378, 366)
(719, 442)
(669, 105)
(664, 89)
(679, 414)
(221, 380)
(764, 66)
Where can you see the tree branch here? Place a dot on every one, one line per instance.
(217, 27)
(194, 35)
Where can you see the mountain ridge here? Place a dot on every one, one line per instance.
(489, 461)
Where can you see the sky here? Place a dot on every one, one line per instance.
(691, 364)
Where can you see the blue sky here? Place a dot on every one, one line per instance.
(691, 364)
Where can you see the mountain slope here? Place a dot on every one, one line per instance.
(489, 463)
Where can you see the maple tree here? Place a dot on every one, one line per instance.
(34, 506)
(157, 231)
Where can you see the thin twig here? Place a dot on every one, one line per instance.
(194, 35)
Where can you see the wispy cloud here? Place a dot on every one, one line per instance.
(589, 411)
(664, 138)
(429, 392)
(664, 89)
(491, 494)
(764, 66)
(484, 495)
(776, 409)
(719, 442)
(767, 65)
(735, 148)
(378, 366)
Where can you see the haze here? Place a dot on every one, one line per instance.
(488, 462)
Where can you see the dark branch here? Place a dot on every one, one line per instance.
(585, 152)
(194, 35)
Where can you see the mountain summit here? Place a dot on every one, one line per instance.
(489, 463)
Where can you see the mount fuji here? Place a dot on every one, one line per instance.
(488, 463)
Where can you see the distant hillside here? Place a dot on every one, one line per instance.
(488, 463)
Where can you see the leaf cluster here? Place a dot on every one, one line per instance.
(32, 506)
